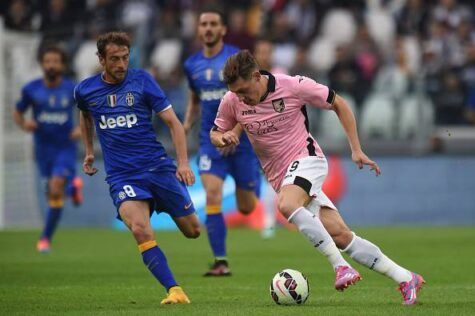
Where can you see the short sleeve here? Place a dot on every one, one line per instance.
(78, 100)
(25, 100)
(154, 95)
(188, 75)
(313, 93)
(225, 118)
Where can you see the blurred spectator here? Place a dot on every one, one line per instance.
(449, 100)
(451, 13)
(394, 78)
(85, 60)
(18, 15)
(263, 52)
(468, 78)
(57, 24)
(284, 47)
(137, 17)
(237, 32)
(302, 66)
(102, 16)
(413, 19)
(345, 75)
(367, 54)
(302, 19)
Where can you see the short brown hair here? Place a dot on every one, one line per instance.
(117, 38)
(241, 64)
(51, 48)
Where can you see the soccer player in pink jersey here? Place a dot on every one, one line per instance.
(271, 110)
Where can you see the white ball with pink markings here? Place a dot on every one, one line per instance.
(289, 287)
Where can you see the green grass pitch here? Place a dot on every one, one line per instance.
(100, 272)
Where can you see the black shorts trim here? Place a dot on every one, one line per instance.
(303, 183)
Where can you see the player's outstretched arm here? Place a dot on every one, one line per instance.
(192, 111)
(183, 171)
(87, 132)
(348, 121)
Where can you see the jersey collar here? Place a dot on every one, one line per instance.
(270, 84)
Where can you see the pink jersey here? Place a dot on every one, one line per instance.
(278, 126)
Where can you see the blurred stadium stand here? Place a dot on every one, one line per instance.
(407, 68)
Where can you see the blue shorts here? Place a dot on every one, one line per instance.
(161, 188)
(60, 162)
(243, 166)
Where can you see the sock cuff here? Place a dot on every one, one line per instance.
(213, 209)
(56, 202)
(147, 245)
(294, 213)
(351, 243)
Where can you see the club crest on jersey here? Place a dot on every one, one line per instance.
(112, 100)
(129, 99)
(279, 105)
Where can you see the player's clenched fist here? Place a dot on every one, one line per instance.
(185, 174)
(229, 138)
(88, 167)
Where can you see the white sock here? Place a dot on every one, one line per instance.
(368, 254)
(312, 228)
(269, 207)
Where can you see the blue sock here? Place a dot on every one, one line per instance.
(216, 229)
(156, 262)
(52, 220)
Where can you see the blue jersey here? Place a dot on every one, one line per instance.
(205, 78)
(52, 111)
(123, 119)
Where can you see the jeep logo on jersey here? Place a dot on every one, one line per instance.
(128, 120)
(279, 105)
(112, 100)
(129, 99)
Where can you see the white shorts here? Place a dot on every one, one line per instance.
(309, 173)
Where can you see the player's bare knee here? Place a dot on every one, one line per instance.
(141, 231)
(247, 207)
(193, 233)
(287, 207)
(213, 197)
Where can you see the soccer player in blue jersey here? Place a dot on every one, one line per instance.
(119, 102)
(51, 100)
(205, 77)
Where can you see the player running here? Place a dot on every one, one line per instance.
(51, 100)
(295, 165)
(205, 77)
(141, 176)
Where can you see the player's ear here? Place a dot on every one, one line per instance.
(224, 30)
(102, 61)
(256, 75)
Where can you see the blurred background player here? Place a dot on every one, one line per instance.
(205, 78)
(141, 176)
(295, 164)
(52, 123)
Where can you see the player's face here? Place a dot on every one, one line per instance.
(248, 90)
(52, 65)
(211, 29)
(115, 62)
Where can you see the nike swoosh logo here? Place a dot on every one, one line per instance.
(277, 285)
(188, 206)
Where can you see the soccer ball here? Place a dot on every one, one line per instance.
(289, 287)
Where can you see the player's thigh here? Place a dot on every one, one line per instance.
(290, 198)
(136, 216)
(335, 226)
(189, 225)
(213, 185)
